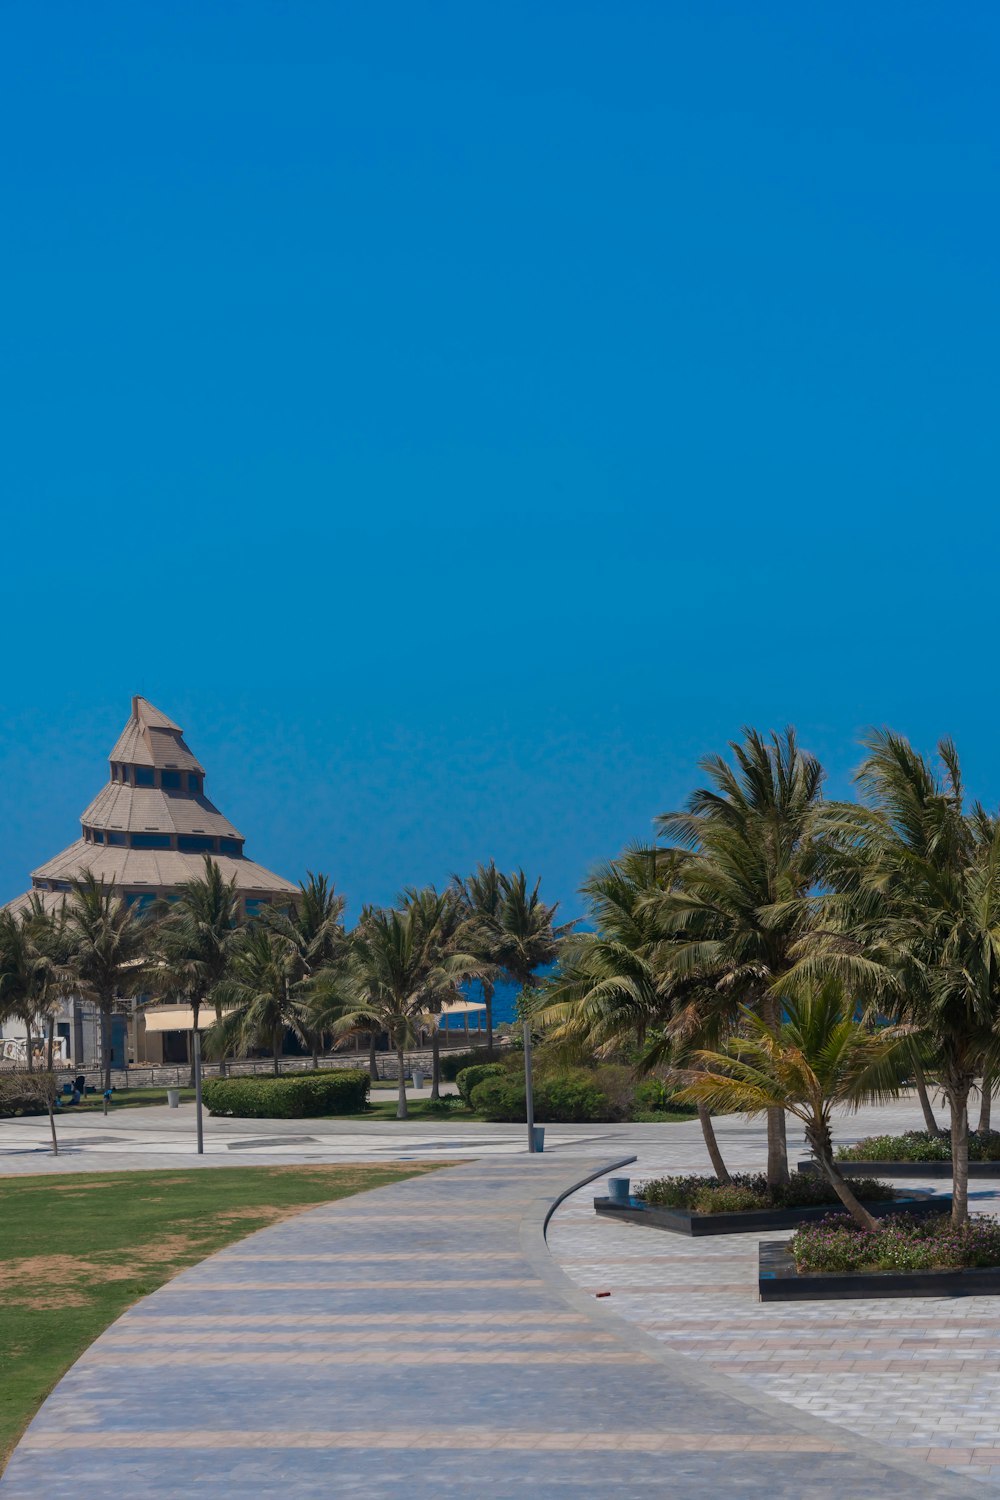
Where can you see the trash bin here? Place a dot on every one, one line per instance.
(539, 1137)
(618, 1189)
(418, 1078)
(173, 1098)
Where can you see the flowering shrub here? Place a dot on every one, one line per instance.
(903, 1243)
(748, 1191)
(920, 1145)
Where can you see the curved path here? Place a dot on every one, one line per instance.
(419, 1340)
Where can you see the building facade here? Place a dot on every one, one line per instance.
(146, 832)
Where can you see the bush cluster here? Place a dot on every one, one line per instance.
(920, 1145)
(902, 1243)
(469, 1077)
(748, 1191)
(296, 1097)
(572, 1097)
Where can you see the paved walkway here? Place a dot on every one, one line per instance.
(420, 1340)
(920, 1374)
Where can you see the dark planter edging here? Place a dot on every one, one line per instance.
(936, 1169)
(684, 1221)
(779, 1281)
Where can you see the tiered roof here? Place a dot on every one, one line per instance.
(150, 827)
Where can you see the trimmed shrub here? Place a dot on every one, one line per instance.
(920, 1145)
(706, 1195)
(294, 1097)
(903, 1243)
(566, 1099)
(469, 1077)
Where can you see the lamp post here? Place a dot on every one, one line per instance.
(529, 1098)
(196, 1034)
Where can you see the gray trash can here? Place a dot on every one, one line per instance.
(418, 1078)
(174, 1098)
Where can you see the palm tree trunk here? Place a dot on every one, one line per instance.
(50, 1045)
(711, 1145)
(986, 1103)
(276, 1048)
(821, 1146)
(958, 1098)
(31, 1055)
(52, 1125)
(315, 1047)
(222, 1059)
(372, 1060)
(777, 1141)
(401, 1113)
(488, 998)
(436, 1061)
(920, 1083)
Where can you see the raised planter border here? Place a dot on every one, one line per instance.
(779, 1281)
(684, 1221)
(934, 1169)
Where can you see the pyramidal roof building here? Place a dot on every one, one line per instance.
(148, 830)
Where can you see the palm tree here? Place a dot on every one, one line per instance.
(817, 1057)
(383, 989)
(52, 945)
(442, 928)
(258, 997)
(742, 905)
(912, 922)
(195, 940)
(312, 927)
(613, 988)
(109, 940)
(480, 896)
(22, 974)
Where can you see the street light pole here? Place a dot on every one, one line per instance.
(529, 1099)
(197, 1090)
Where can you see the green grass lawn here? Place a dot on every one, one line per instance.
(77, 1250)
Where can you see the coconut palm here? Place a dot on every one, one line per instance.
(614, 989)
(480, 896)
(443, 927)
(816, 1058)
(313, 929)
(390, 983)
(109, 941)
(195, 940)
(912, 922)
(51, 941)
(742, 906)
(258, 997)
(23, 975)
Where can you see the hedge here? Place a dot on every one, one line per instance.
(469, 1077)
(567, 1099)
(291, 1098)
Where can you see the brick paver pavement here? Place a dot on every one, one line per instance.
(921, 1374)
(421, 1340)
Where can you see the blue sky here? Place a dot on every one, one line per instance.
(462, 417)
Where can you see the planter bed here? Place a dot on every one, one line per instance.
(779, 1281)
(752, 1221)
(935, 1169)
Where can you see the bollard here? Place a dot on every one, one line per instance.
(618, 1189)
(539, 1137)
